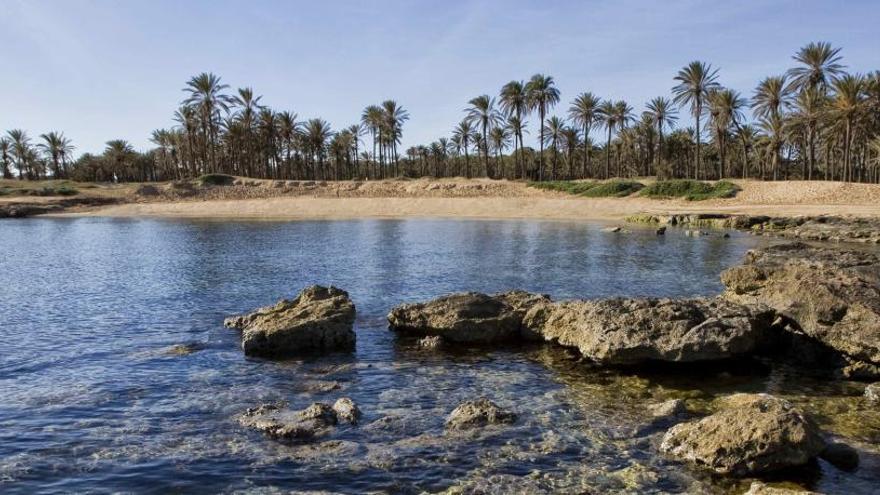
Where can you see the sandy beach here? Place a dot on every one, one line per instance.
(479, 198)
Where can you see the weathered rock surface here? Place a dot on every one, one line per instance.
(751, 433)
(284, 424)
(631, 331)
(831, 295)
(468, 317)
(478, 413)
(319, 319)
(346, 410)
(670, 408)
(872, 393)
(758, 488)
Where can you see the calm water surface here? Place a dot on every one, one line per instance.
(93, 397)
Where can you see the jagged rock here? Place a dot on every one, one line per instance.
(346, 410)
(631, 331)
(319, 319)
(831, 295)
(673, 407)
(841, 455)
(872, 393)
(283, 424)
(758, 488)
(477, 413)
(468, 317)
(751, 433)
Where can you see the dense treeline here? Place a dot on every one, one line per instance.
(814, 121)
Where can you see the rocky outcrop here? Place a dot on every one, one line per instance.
(468, 317)
(478, 413)
(346, 410)
(830, 295)
(319, 319)
(751, 433)
(631, 331)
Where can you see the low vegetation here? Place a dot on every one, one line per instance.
(216, 180)
(42, 188)
(592, 189)
(691, 190)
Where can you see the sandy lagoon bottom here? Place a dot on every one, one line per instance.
(96, 398)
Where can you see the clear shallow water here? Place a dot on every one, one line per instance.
(93, 398)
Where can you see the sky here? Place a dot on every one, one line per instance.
(107, 69)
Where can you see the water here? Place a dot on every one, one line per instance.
(94, 397)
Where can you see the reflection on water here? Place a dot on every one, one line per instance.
(116, 373)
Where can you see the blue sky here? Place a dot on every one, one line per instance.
(101, 70)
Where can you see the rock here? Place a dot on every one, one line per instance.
(632, 331)
(859, 370)
(758, 488)
(751, 433)
(478, 413)
(283, 424)
(346, 410)
(431, 342)
(673, 407)
(872, 393)
(841, 455)
(613, 229)
(831, 295)
(468, 317)
(319, 319)
(660, 231)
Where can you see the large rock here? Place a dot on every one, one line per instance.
(478, 413)
(631, 331)
(831, 295)
(468, 317)
(751, 433)
(319, 319)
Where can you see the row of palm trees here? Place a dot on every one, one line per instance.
(813, 121)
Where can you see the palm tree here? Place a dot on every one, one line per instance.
(288, 128)
(820, 65)
(553, 132)
(5, 156)
(119, 155)
(584, 112)
(21, 150)
(810, 106)
(372, 118)
(623, 116)
(608, 117)
(846, 108)
(571, 137)
(482, 111)
(206, 95)
(499, 139)
(662, 114)
(747, 135)
(464, 135)
(514, 104)
(52, 146)
(694, 83)
(725, 109)
(317, 134)
(249, 108)
(768, 103)
(395, 116)
(541, 95)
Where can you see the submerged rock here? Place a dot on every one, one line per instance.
(872, 393)
(831, 295)
(346, 410)
(758, 488)
(468, 317)
(431, 342)
(319, 319)
(670, 408)
(751, 433)
(283, 424)
(478, 413)
(631, 331)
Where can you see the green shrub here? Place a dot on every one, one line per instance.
(592, 189)
(216, 180)
(691, 190)
(614, 188)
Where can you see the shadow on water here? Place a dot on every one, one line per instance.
(117, 374)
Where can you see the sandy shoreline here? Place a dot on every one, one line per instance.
(483, 199)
